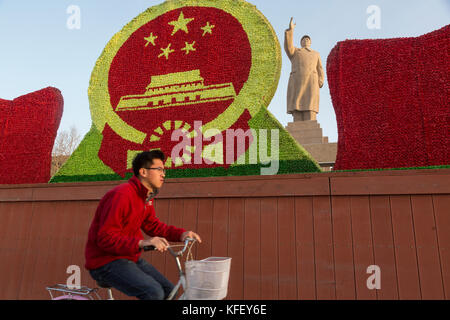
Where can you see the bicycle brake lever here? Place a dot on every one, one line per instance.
(187, 240)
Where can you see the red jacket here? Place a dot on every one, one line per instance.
(116, 229)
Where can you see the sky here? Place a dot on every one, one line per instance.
(38, 49)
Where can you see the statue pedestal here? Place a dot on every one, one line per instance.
(309, 135)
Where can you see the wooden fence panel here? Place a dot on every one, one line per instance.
(427, 248)
(220, 228)
(289, 237)
(175, 219)
(162, 207)
(343, 248)
(205, 208)
(287, 261)
(362, 246)
(252, 250)
(269, 249)
(306, 268)
(236, 248)
(441, 205)
(48, 213)
(190, 220)
(383, 243)
(62, 244)
(7, 218)
(14, 239)
(32, 253)
(405, 248)
(323, 248)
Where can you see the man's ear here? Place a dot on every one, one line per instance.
(142, 172)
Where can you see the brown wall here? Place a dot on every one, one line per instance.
(306, 236)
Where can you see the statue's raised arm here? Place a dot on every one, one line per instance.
(288, 39)
(292, 24)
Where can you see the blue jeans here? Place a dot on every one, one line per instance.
(140, 280)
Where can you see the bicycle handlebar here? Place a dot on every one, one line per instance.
(174, 253)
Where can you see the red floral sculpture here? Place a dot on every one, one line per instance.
(196, 58)
(28, 127)
(391, 99)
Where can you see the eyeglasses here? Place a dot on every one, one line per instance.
(160, 170)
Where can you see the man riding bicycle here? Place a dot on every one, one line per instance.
(115, 240)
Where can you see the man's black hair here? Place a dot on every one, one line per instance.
(145, 160)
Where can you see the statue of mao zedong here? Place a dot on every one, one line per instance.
(306, 79)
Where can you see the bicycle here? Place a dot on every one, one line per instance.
(86, 293)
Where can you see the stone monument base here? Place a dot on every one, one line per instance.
(309, 135)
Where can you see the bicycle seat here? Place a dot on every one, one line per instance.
(103, 285)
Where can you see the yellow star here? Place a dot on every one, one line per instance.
(180, 24)
(189, 47)
(207, 29)
(150, 39)
(166, 52)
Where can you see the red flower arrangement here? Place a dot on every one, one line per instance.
(392, 101)
(28, 127)
(197, 57)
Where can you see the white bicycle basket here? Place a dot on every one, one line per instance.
(207, 279)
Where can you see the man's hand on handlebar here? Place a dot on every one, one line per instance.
(160, 244)
(190, 234)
